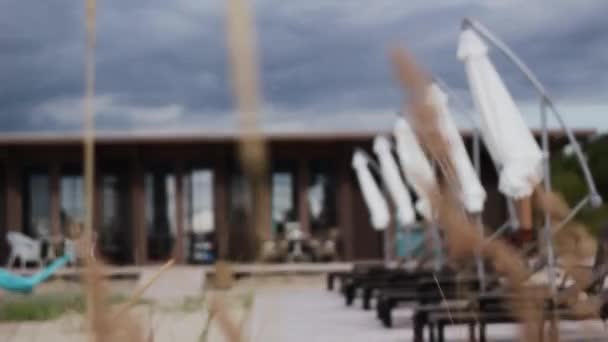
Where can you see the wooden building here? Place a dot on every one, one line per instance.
(154, 191)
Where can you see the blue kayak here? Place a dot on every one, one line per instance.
(25, 284)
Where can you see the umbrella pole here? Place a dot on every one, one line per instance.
(548, 189)
(547, 228)
(407, 237)
(436, 236)
(481, 272)
(387, 241)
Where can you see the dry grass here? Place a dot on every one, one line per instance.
(242, 46)
(100, 326)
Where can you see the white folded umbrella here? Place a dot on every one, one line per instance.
(394, 183)
(417, 169)
(503, 129)
(376, 204)
(472, 194)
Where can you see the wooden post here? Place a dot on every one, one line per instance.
(390, 240)
(178, 248)
(13, 197)
(220, 211)
(344, 204)
(98, 201)
(140, 251)
(3, 244)
(55, 194)
(263, 222)
(303, 180)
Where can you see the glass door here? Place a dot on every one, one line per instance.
(37, 203)
(114, 238)
(284, 199)
(199, 221)
(72, 203)
(160, 209)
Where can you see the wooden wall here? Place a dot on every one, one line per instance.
(359, 240)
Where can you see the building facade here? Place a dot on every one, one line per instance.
(154, 193)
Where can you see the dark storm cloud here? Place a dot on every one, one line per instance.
(162, 64)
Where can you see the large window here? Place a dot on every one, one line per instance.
(114, 239)
(160, 212)
(199, 218)
(284, 197)
(322, 209)
(3, 221)
(322, 198)
(109, 198)
(240, 195)
(72, 213)
(36, 213)
(239, 218)
(198, 201)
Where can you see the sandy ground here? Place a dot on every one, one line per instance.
(284, 309)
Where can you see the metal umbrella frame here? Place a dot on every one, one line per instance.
(546, 104)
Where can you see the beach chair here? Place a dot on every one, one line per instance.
(23, 248)
(494, 306)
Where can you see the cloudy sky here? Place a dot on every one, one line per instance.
(161, 65)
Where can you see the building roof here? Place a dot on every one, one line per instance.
(110, 138)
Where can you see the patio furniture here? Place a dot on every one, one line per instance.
(24, 248)
(296, 239)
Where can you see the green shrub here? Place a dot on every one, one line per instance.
(44, 307)
(594, 218)
(568, 180)
(570, 185)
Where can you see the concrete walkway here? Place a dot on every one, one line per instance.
(299, 313)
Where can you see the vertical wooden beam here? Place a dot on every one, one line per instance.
(14, 214)
(220, 211)
(98, 205)
(178, 247)
(55, 200)
(391, 231)
(140, 251)
(344, 204)
(98, 198)
(266, 209)
(3, 244)
(303, 180)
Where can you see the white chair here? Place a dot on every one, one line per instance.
(24, 248)
(296, 238)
